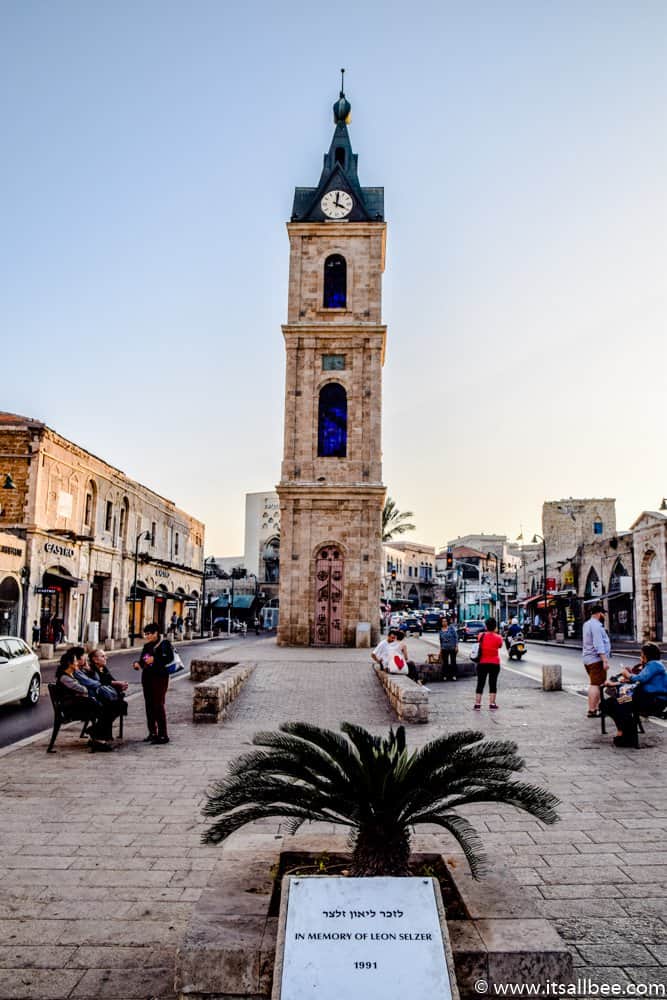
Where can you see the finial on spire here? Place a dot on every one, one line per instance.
(342, 107)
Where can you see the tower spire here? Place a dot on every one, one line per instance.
(342, 107)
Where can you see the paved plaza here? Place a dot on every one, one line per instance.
(102, 861)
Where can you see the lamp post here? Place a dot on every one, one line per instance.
(210, 560)
(492, 555)
(145, 535)
(539, 538)
(230, 605)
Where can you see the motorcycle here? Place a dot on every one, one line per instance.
(516, 646)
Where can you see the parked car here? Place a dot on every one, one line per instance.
(20, 676)
(471, 629)
(432, 621)
(411, 624)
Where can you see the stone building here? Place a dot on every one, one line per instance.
(88, 531)
(12, 580)
(649, 538)
(408, 574)
(331, 492)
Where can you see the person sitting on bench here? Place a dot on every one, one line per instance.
(647, 697)
(69, 675)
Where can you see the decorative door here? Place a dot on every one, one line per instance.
(329, 597)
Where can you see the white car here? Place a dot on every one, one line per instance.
(20, 677)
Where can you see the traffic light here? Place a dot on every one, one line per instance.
(449, 559)
(502, 566)
(393, 574)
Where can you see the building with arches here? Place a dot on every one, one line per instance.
(331, 492)
(81, 522)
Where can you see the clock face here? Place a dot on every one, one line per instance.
(336, 204)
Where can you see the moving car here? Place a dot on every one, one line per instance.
(471, 629)
(411, 624)
(20, 676)
(431, 622)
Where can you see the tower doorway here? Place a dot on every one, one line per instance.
(329, 578)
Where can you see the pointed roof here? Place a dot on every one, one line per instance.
(339, 172)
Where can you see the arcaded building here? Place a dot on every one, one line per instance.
(84, 531)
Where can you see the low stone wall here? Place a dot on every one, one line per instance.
(211, 697)
(209, 666)
(409, 700)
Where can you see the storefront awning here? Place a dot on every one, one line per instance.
(60, 578)
(142, 590)
(240, 601)
(611, 596)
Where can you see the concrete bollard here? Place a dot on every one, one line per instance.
(46, 651)
(552, 677)
(363, 635)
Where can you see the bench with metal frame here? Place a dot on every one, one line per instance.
(66, 710)
(638, 726)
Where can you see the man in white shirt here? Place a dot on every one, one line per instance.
(596, 650)
(383, 651)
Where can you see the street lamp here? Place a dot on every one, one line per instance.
(539, 538)
(210, 561)
(492, 555)
(146, 536)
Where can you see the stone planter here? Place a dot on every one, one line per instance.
(230, 945)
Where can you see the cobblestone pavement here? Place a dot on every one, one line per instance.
(101, 857)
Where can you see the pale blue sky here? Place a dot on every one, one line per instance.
(150, 155)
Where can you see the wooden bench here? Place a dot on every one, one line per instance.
(408, 699)
(65, 710)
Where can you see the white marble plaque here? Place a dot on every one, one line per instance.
(363, 939)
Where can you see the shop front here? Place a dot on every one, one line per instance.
(57, 607)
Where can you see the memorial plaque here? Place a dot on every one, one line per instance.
(362, 939)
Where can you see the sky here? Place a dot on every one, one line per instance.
(151, 151)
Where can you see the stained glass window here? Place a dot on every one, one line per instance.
(335, 282)
(332, 421)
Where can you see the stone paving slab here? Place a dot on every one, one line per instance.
(102, 861)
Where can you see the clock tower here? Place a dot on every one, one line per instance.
(331, 492)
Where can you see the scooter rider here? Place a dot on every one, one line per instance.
(512, 632)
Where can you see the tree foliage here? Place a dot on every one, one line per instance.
(394, 521)
(373, 786)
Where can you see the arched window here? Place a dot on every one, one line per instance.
(597, 526)
(593, 586)
(335, 282)
(332, 421)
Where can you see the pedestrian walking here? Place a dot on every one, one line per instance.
(488, 664)
(449, 647)
(155, 656)
(596, 651)
(173, 625)
(36, 633)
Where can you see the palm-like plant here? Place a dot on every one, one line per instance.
(374, 786)
(395, 521)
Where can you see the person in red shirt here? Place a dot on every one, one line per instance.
(488, 664)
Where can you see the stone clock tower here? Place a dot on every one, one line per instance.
(331, 492)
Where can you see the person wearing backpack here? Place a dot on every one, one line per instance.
(488, 664)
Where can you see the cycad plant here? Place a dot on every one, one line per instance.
(374, 786)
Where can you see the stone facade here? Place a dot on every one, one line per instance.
(334, 501)
(408, 573)
(81, 520)
(649, 537)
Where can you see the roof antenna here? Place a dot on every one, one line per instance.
(342, 82)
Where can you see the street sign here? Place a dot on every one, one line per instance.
(46, 590)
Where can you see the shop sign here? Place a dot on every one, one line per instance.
(8, 550)
(162, 572)
(58, 550)
(568, 578)
(105, 611)
(551, 583)
(191, 604)
(46, 590)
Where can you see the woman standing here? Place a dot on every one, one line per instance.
(488, 664)
(155, 656)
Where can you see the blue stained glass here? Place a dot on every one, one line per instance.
(332, 422)
(335, 282)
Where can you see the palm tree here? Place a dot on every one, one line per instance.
(394, 521)
(374, 786)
